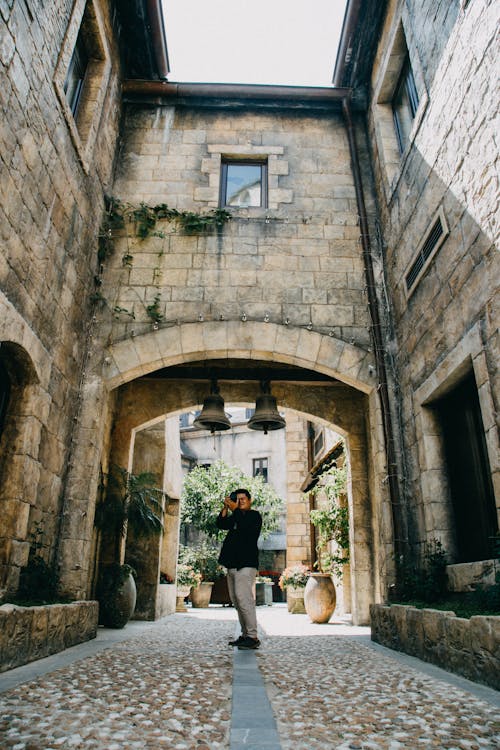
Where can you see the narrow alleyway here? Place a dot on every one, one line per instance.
(176, 684)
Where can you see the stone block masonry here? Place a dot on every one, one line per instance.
(296, 260)
(53, 170)
(468, 647)
(30, 633)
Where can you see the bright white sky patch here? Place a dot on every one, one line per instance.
(288, 42)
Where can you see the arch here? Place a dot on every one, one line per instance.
(130, 358)
(26, 367)
(143, 400)
(23, 345)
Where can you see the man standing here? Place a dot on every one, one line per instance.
(239, 554)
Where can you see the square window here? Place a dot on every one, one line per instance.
(243, 184)
(260, 468)
(404, 105)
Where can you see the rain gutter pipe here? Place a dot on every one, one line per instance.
(392, 467)
(156, 20)
(310, 94)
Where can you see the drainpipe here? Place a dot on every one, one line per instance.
(156, 20)
(400, 541)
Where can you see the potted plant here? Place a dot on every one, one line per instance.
(129, 500)
(293, 580)
(187, 578)
(204, 559)
(331, 521)
(263, 591)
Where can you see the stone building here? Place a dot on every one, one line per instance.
(432, 101)
(360, 283)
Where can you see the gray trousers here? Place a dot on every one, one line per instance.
(241, 586)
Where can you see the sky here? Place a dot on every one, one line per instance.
(288, 42)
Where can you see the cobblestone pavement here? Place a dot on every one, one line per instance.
(335, 692)
(170, 687)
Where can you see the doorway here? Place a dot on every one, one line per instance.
(469, 473)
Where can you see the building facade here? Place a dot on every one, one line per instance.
(350, 262)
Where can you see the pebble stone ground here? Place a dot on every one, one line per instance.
(169, 686)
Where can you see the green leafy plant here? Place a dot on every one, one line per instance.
(332, 522)
(202, 558)
(113, 220)
(145, 219)
(132, 499)
(187, 576)
(38, 580)
(425, 579)
(153, 310)
(204, 491)
(295, 576)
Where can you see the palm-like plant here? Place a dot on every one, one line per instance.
(130, 500)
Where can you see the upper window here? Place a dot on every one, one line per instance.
(243, 183)
(75, 77)
(404, 105)
(400, 99)
(260, 468)
(82, 75)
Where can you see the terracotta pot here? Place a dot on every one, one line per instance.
(119, 605)
(320, 597)
(200, 596)
(295, 600)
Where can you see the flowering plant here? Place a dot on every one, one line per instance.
(295, 576)
(187, 576)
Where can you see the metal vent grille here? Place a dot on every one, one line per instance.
(437, 231)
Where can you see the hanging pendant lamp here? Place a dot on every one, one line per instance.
(266, 416)
(213, 416)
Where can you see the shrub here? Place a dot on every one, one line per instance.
(295, 576)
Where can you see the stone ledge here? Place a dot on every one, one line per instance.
(470, 648)
(30, 633)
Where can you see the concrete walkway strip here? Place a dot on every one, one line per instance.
(253, 726)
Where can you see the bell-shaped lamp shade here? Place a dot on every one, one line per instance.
(266, 416)
(212, 416)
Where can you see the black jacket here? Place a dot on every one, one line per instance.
(239, 549)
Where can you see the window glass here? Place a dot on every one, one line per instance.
(260, 468)
(404, 105)
(75, 77)
(243, 184)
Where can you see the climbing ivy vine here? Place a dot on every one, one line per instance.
(144, 220)
(332, 521)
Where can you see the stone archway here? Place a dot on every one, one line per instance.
(144, 399)
(132, 357)
(121, 382)
(28, 364)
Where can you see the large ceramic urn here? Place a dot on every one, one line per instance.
(118, 605)
(200, 596)
(320, 597)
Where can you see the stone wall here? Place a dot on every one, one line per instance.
(467, 647)
(297, 261)
(445, 325)
(30, 633)
(54, 171)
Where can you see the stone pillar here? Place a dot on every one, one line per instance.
(298, 532)
(143, 552)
